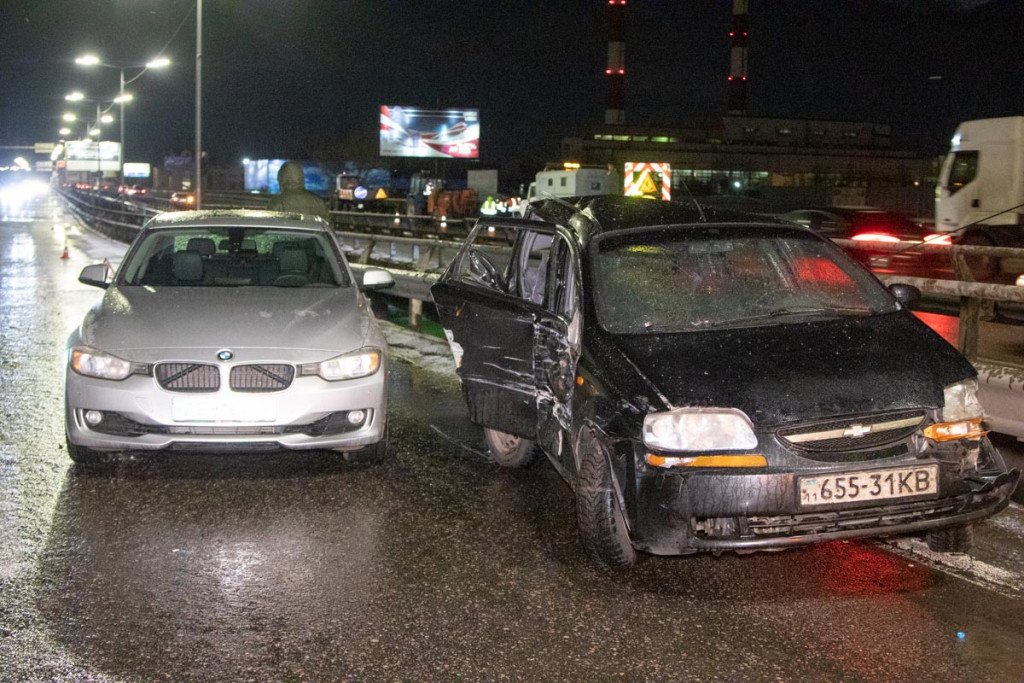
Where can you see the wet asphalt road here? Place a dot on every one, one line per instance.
(432, 566)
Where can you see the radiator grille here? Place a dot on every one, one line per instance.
(853, 433)
(261, 378)
(188, 377)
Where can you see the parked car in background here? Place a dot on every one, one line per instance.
(132, 190)
(868, 225)
(228, 331)
(183, 201)
(709, 381)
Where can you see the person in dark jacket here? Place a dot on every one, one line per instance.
(294, 197)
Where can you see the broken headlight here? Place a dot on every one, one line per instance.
(960, 401)
(699, 429)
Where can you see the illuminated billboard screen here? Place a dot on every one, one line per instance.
(436, 133)
(90, 155)
(136, 170)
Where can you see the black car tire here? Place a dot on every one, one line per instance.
(952, 539)
(508, 450)
(82, 455)
(600, 518)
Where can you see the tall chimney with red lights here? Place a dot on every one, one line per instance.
(738, 58)
(616, 69)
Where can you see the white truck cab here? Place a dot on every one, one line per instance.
(983, 175)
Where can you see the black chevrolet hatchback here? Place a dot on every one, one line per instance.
(708, 381)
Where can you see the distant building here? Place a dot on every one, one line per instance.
(785, 162)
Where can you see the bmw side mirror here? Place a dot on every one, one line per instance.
(375, 279)
(908, 295)
(95, 275)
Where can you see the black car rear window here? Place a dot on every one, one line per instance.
(685, 279)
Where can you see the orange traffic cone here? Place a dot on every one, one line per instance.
(65, 256)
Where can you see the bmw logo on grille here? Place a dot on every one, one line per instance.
(224, 354)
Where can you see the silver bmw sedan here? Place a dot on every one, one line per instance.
(228, 331)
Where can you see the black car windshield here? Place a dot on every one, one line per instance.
(686, 279)
(233, 257)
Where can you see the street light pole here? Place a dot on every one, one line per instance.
(120, 96)
(199, 104)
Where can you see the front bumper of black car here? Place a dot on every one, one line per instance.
(679, 513)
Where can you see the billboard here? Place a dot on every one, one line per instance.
(261, 176)
(90, 155)
(136, 170)
(641, 179)
(435, 133)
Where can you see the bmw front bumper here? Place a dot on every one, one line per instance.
(311, 413)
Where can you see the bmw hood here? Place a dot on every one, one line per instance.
(141, 322)
(801, 371)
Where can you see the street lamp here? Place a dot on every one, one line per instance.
(64, 131)
(122, 96)
(69, 117)
(101, 114)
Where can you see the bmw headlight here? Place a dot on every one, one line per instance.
(95, 363)
(960, 401)
(361, 363)
(699, 429)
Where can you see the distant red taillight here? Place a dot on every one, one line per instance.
(938, 238)
(875, 237)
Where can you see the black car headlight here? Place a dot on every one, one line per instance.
(95, 363)
(700, 430)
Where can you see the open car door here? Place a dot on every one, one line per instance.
(489, 301)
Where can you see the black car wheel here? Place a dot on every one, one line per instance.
(508, 450)
(953, 539)
(83, 455)
(601, 520)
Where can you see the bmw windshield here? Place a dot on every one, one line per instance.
(685, 279)
(234, 257)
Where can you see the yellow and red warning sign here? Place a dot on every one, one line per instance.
(642, 179)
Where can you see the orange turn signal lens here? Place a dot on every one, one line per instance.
(952, 431)
(751, 460)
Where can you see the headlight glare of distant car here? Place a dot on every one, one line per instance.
(960, 401)
(699, 429)
(362, 363)
(95, 363)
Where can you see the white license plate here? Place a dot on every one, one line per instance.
(218, 409)
(853, 487)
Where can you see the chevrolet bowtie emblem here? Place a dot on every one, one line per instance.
(855, 431)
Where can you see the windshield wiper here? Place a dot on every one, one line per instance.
(784, 312)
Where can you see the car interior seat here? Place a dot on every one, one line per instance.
(188, 268)
(294, 267)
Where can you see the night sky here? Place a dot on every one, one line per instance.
(305, 78)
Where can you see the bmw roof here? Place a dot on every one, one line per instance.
(237, 218)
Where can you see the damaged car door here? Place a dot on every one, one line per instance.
(489, 317)
(508, 345)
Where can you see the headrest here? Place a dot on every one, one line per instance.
(293, 260)
(188, 266)
(202, 245)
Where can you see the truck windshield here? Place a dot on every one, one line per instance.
(686, 279)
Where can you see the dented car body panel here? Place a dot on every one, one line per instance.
(838, 395)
